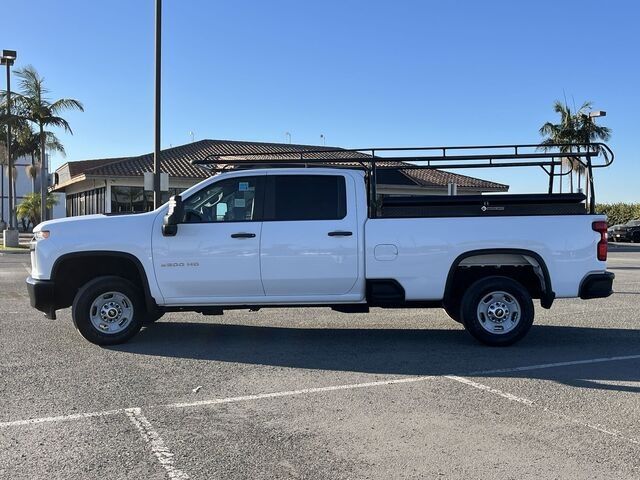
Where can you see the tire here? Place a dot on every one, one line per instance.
(108, 310)
(497, 311)
(636, 237)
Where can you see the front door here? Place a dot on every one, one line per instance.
(215, 256)
(309, 243)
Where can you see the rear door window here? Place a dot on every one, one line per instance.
(305, 197)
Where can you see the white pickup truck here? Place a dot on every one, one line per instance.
(309, 237)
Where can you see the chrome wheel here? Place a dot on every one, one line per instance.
(499, 312)
(111, 312)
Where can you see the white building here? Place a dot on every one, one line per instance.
(24, 186)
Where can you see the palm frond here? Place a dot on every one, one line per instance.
(65, 104)
(53, 144)
(57, 122)
(573, 128)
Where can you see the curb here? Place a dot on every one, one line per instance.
(13, 252)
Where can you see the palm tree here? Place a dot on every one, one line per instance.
(34, 106)
(574, 128)
(30, 207)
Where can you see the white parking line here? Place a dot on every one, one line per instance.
(489, 389)
(133, 412)
(288, 393)
(60, 418)
(216, 401)
(531, 403)
(158, 447)
(554, 365)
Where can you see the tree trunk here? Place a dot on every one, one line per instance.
(43, 177)
(571, 178)
(34, 173)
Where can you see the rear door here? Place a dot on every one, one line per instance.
(309, 244)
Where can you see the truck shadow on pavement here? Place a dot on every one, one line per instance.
(403, 351)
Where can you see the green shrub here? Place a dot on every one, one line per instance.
(619, 212)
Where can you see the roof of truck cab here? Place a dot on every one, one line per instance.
(177, 162)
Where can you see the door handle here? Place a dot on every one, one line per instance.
(340, 233)
(243, 235)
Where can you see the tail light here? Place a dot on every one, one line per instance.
(601, 228)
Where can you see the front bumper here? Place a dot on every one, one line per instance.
(597, 285)
(42, 296)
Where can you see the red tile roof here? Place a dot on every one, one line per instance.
(176, 161)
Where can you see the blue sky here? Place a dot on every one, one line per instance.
(360, 72)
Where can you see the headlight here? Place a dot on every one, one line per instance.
(41, 235)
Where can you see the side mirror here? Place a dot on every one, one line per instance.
(173, 217)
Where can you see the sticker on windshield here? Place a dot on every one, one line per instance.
(239, 203)
(243, 186)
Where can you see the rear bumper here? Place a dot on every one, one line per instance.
(597, 285)
(42, 296)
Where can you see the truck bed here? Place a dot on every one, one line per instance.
(418, 252)
(430, 206)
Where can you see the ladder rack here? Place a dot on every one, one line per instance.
(549, 157)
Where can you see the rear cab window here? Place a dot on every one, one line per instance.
(305, 197)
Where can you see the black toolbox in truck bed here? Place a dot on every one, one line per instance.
(483, 205)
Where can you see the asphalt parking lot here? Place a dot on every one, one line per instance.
(312, 394)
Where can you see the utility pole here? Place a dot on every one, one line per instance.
(588, 182)
(11, 234)
(157, 194)
(3, 152)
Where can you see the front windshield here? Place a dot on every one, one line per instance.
(633, 223)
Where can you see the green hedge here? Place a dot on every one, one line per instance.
(619, 212)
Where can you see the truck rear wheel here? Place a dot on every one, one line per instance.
(108, 311)
(497, 311)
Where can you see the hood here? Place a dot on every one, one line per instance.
(97, 221)
(61, 221)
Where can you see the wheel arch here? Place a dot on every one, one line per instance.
(98, 263)
(492, 258)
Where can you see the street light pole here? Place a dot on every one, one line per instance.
(157, 194)
(589, 180)
(8, 57)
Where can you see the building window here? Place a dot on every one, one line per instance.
(86, 203)
(134, 199)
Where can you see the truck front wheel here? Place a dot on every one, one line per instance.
(108, 310)
(497, 311)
